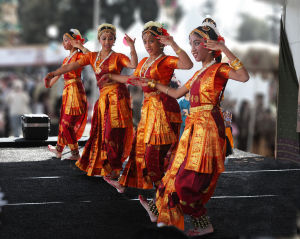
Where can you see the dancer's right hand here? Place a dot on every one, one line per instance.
(49, 76)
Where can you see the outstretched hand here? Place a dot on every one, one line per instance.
(138, 81)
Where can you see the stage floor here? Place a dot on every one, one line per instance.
(47, 198)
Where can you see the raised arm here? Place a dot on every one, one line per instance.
(133, 58)
(238, 72)
(63, 69)
(184, 61)
(78, 44)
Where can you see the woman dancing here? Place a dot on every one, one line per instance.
(192, 176)
(158, 130)
(73, 113)
(112, 129)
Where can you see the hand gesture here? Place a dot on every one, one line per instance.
(166, 40)
(214, 45)
(103, 80)
(49, 76)
(129, 41)
(138, 81)
(76, 43)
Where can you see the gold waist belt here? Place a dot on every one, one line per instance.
(70, 81)
(201, 108)
(153, 93)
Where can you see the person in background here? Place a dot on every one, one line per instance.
(73, 112)
(184, 105)
(18, 103)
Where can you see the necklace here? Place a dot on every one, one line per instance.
(98, 69)
(201, 70)
(148, 65)
(70, 57)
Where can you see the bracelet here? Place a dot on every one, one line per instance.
(152, 84)
(167, 90)
(236, 64)
(109, 76)
(178, 51)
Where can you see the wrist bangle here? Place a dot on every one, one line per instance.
(109, 76)
(178, 51)
(152, 84)
(167, 90)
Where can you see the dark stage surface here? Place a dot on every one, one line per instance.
(47, 198)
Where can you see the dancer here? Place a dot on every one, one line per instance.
(192, 176)
(158, 130)
(112, 129)
(73, 113)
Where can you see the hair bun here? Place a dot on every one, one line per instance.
(208, 23)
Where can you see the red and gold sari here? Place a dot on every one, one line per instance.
(158, 130)
(73, 114)
(112, 129)
(192, 176)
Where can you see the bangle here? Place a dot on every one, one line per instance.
(178, 51)
(167, 90)
(152, 84)
(236, 64)
(109, 76)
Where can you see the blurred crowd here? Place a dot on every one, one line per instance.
(253, 123)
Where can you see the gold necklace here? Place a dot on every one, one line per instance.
(98, 69)
(148, 65)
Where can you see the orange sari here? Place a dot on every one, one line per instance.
(191, 179)
(73, 114)
(158, 130)
(112, 129)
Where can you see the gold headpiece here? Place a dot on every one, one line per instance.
(106, 27)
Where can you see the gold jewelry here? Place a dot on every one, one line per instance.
(178, 51)
(167, 90)
(236, 64)
(152, 84)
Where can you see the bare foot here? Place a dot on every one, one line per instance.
(52, 149)
(201, 231)
(145, 204)
(115, 184)
(73, 157)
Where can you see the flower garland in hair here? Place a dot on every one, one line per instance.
(78, 35)
(164, 31)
